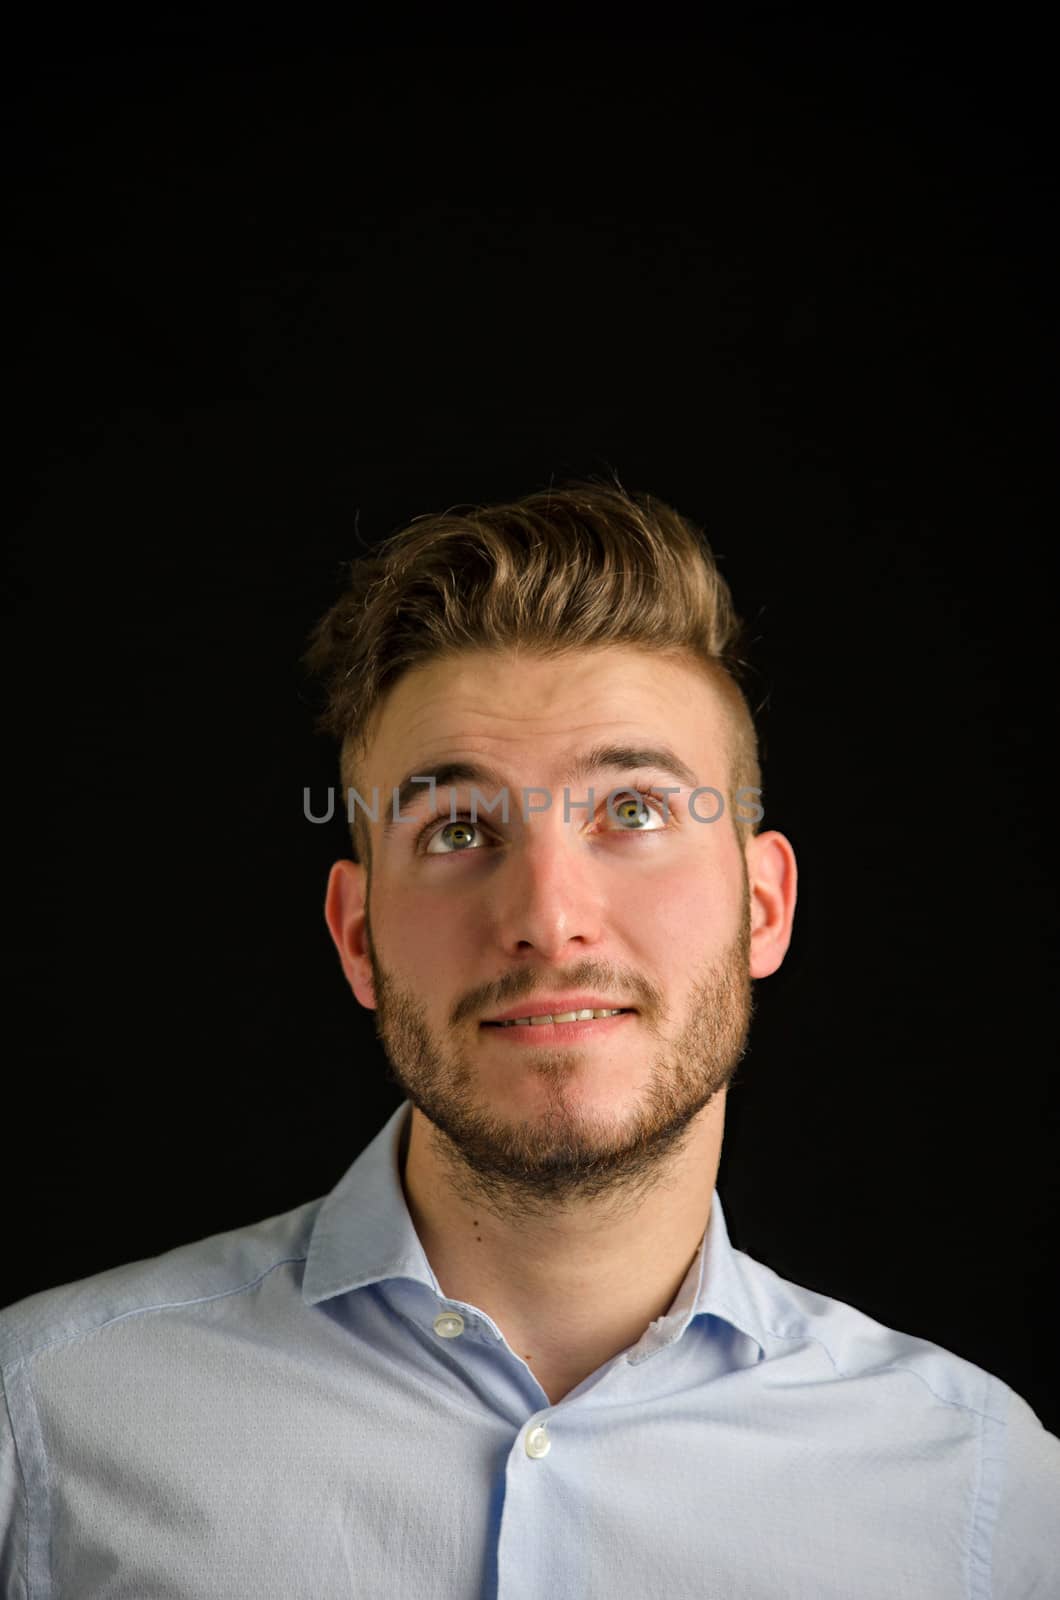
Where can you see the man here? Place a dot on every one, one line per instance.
(513, 1352)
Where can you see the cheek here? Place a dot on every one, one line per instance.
(422, 938)
(689, 908)
(679, 927)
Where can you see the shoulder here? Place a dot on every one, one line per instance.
(857, 1346)
(1022, 1474)
(221, 1264)
(142, 1331)
(934, 1410)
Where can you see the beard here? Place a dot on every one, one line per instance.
(539, 1164)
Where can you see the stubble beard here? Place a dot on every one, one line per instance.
(566, 1156)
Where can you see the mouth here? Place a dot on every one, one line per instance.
(588, 1015)
(580, 1027)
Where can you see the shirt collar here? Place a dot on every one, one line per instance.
(364, 1234)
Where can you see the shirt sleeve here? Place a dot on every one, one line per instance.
(1026, 1553)
(12, 1512)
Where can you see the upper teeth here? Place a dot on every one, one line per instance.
(560, 1016)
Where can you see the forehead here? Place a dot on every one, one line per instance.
(522, 708)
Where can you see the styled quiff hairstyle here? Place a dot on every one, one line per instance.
(578, 567)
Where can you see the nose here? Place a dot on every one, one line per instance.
(547, 897)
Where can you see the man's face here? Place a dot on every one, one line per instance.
(466, 920)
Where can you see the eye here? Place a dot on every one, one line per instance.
(460, 827)
(630, 807)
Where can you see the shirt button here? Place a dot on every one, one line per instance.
(538, 1443)
(449, 1325)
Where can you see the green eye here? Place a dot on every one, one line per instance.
(630, 810)
(460, 832)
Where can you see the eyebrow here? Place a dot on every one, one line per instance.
(602, 757)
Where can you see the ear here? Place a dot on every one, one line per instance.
(346, 914)
(772, 876)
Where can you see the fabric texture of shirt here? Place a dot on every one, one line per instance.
(295, 1411)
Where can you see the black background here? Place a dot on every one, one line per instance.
(276, 295)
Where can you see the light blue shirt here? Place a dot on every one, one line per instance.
(295, 1411)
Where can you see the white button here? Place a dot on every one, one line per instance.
(449, 1325)
(538, 1443)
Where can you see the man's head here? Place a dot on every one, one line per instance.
(580, 567)
(579, 642)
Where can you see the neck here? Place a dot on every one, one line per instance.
(569, 1289)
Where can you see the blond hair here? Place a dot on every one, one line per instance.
(582, 566)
